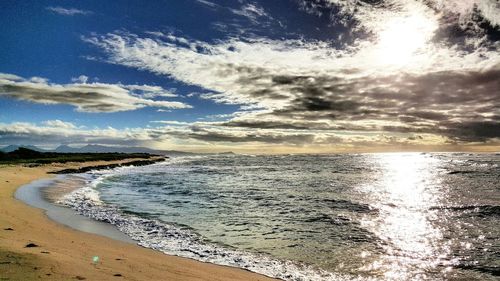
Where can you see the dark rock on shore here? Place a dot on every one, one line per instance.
(110, 166)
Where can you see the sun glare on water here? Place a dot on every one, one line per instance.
(405, 193)
(405, 40)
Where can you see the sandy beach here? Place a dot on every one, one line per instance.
(58, 252)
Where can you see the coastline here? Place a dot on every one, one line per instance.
(63, 253)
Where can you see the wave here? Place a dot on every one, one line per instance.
(478, 210)
(491, 270)
(174, 240)
(350, 206)
(460, 172)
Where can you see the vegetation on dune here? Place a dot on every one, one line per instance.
(25, 155)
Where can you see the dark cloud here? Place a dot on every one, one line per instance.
(239, 137)
(473, 131)
(460, 30)
(421, 103)
(270, 124)
(224, 137)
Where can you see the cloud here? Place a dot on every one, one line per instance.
(466, 10)
(200, 136)
(244, 137)
(56, 132)
(252, 12)
(68, 11)
(312, 83)
(170, 122)
(462, 24)
(80, 79)
(87, 97)
(148, 91)
(255, 13)
(408, 80)
(208, 3)
(59, 124)
(419, 73)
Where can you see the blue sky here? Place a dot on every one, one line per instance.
(274, 76)
(39, 42)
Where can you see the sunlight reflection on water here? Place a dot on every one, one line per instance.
(407, 189)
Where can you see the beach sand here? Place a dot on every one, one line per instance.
(62, 253)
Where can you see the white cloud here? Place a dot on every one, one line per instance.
(59, 124)
(86, 97)
(68, 11)
(489, 9)
(235, 69)
(252, 12)
(208, 3)
(39, 80)
(145, 91)
(372, 17)
(80, 79)
(172, 122)
(148, 91)
(56, 132)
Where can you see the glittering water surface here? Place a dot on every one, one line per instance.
(395, 216)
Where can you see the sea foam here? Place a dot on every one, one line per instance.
(173, 240)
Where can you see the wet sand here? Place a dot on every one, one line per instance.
(32, 246)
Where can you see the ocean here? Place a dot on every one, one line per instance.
(380, 216)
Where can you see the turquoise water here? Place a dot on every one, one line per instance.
(398, 216)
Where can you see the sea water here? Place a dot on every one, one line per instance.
(386, 216)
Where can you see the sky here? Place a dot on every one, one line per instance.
(273, 76)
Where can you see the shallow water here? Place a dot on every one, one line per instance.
(34, 194)
(395, 216)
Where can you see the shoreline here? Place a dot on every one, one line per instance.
(32, 195)
(32, 246)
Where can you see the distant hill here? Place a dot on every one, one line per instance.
(64, 149)
(25, 155)
(226, 153)
(93, 148)
(14, 147)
